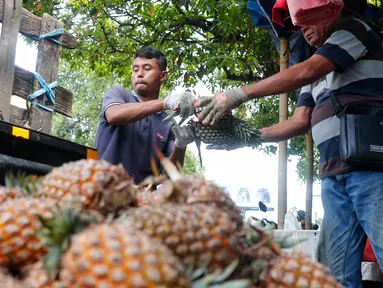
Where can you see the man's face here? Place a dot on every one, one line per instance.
(147, 76)
(316, 36)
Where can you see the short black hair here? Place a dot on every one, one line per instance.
(150, 53)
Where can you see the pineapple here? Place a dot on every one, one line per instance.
(190, 189)
(86, 253)
(36, 276)
(109, 255)
(297, 271)
(10, 193)
(8, 281)
(229, 130)
(29, 184)
(19, 185)
(19, 244)
(267, 265)
(96, 184)
(198, 234)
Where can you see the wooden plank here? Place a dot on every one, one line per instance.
(18, 115)
(30, 26)
(48, 55)
(9, 32)
(23, 86)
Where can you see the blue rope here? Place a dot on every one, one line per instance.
(45, 89)
(50, 35)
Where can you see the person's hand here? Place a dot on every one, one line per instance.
(182, 101)
(184, 135)
(219, 104)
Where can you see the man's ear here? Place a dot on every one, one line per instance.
(163, 76)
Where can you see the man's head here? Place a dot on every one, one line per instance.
(148, 72)
(317, 35)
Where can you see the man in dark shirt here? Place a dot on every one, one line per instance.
(349, 64)
(131, 121)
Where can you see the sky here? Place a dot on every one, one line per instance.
(241, 168)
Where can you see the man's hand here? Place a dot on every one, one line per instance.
(182, 101)
(219, 104)
(184, 136)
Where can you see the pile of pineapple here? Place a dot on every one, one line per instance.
(86, 224)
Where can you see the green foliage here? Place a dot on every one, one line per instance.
(88, 90)
(208, 40)
(192, 165)
(205, 40)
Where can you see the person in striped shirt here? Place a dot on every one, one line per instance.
(348, 63)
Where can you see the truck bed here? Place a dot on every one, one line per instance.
(35, 152)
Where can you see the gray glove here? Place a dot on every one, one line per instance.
(219, 104)
(184, 135)
(182, 101)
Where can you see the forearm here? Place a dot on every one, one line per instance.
(132, 112)
(178, 155)
(284, 130)
(293, 78)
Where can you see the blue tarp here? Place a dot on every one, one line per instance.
(260, 12)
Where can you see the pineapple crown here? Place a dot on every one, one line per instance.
(200, 279)
(29, 184)
(260, 246)
(57, 232)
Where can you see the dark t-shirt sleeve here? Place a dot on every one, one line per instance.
(112, 96)
(348, 43)
(305, 97)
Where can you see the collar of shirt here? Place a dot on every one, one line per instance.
(139, 99)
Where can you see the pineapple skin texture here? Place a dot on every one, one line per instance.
(7, 281)
(191, 189)
(195, 233)
(96, 184)
(19, 244)
(10, 193)
(298, 271)
(116, 255)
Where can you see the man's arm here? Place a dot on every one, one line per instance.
(292, 78)
(132, 112)
(297, 125)
(297, 76)
(118, 112)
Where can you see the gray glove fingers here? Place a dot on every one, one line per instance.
(191, 109)
(209, 118)
(205, 112)
(217, 116)
(186, 110)
(191, 131)
(176, 131)
(203, 101)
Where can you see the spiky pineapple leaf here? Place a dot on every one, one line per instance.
(219, 279)
(57, 232)
(28, 183)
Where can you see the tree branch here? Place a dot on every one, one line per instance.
(249, 77)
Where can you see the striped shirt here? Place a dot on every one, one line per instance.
(357, 53)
